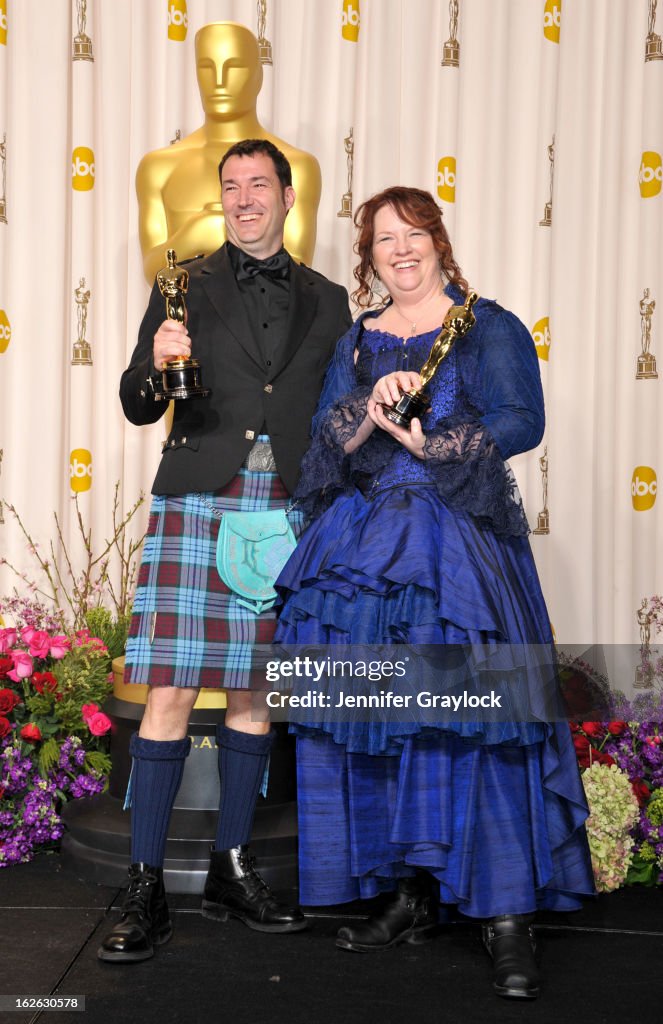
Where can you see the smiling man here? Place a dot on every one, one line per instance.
(263, 329)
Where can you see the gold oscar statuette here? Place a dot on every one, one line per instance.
(458, 321)
(646, 360)
(3, 171)
(451, 49)
(346, 198)
(264, 46)
(653, 43)
(82, 42)
(181, 378)
(179, 194)
(82, 350)
(644, 672)
(543, 518)
(547, 210)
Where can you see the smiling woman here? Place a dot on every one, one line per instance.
(419, 537)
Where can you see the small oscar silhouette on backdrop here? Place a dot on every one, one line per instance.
(543, 518)
(546, 220)
(644, 671)
(82, 42)
(451, 49)
(346, 199)
(3, 173)
(82, 350)
(264, 46)
(646, 360)
(653, 43)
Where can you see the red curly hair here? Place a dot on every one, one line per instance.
(416, 207)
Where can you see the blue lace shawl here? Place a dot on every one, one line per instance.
(487, 405)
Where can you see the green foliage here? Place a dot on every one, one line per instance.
(48, 755)
(97, 761)
(82, 679)
(111, 629)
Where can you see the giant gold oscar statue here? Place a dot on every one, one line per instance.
(178, 186)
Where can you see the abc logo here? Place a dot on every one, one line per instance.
(5, 331)
(552, 20)
(651, 174)
(178, 20)
(3, 22)
(350, 20)
(643, 488)
(446, 179)
(82, 169)
(80, 470)
(541, 336)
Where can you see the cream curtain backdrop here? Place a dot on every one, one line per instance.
(548, 94)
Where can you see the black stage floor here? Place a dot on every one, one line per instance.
(602, 964)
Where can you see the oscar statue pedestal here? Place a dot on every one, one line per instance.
(97, 842)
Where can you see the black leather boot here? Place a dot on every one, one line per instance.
(509, 940)
(235, 889)
(410, 917)
(145, 921)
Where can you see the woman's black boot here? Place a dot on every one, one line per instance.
(410, 917)
(509, 940)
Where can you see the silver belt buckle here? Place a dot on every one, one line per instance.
(261, 458)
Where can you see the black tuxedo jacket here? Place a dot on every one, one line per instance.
(211, 437)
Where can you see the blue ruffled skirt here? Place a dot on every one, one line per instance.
(494, 810)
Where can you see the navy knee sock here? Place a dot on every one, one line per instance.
(243, 758)
(156, 773)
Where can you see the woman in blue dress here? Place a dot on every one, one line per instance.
(419, 538)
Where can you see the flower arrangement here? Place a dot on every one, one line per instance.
(53, 734)
(55, 663)
(613, 811)
(631, 749)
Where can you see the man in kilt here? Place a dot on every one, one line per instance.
(263, 329)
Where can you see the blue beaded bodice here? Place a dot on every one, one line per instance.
(381, 353)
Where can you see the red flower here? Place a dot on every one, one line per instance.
(573, 726)
(641, 790)
(602, 758)
(5, 727)
(616, 728)
(8, 701)
(44, 682)
(6, 664)
(593, 728)
(582, 748)
(31, 733)
(98, 724)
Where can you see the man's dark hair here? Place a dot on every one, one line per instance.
(249, 147)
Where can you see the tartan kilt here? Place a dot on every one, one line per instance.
(187, 628)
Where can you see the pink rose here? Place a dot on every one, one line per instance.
(7, 640)
(88, 710)
(98, 724)
(60, 645)
(22, 666)
(39, 644)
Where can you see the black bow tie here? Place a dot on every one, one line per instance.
(276, 266)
